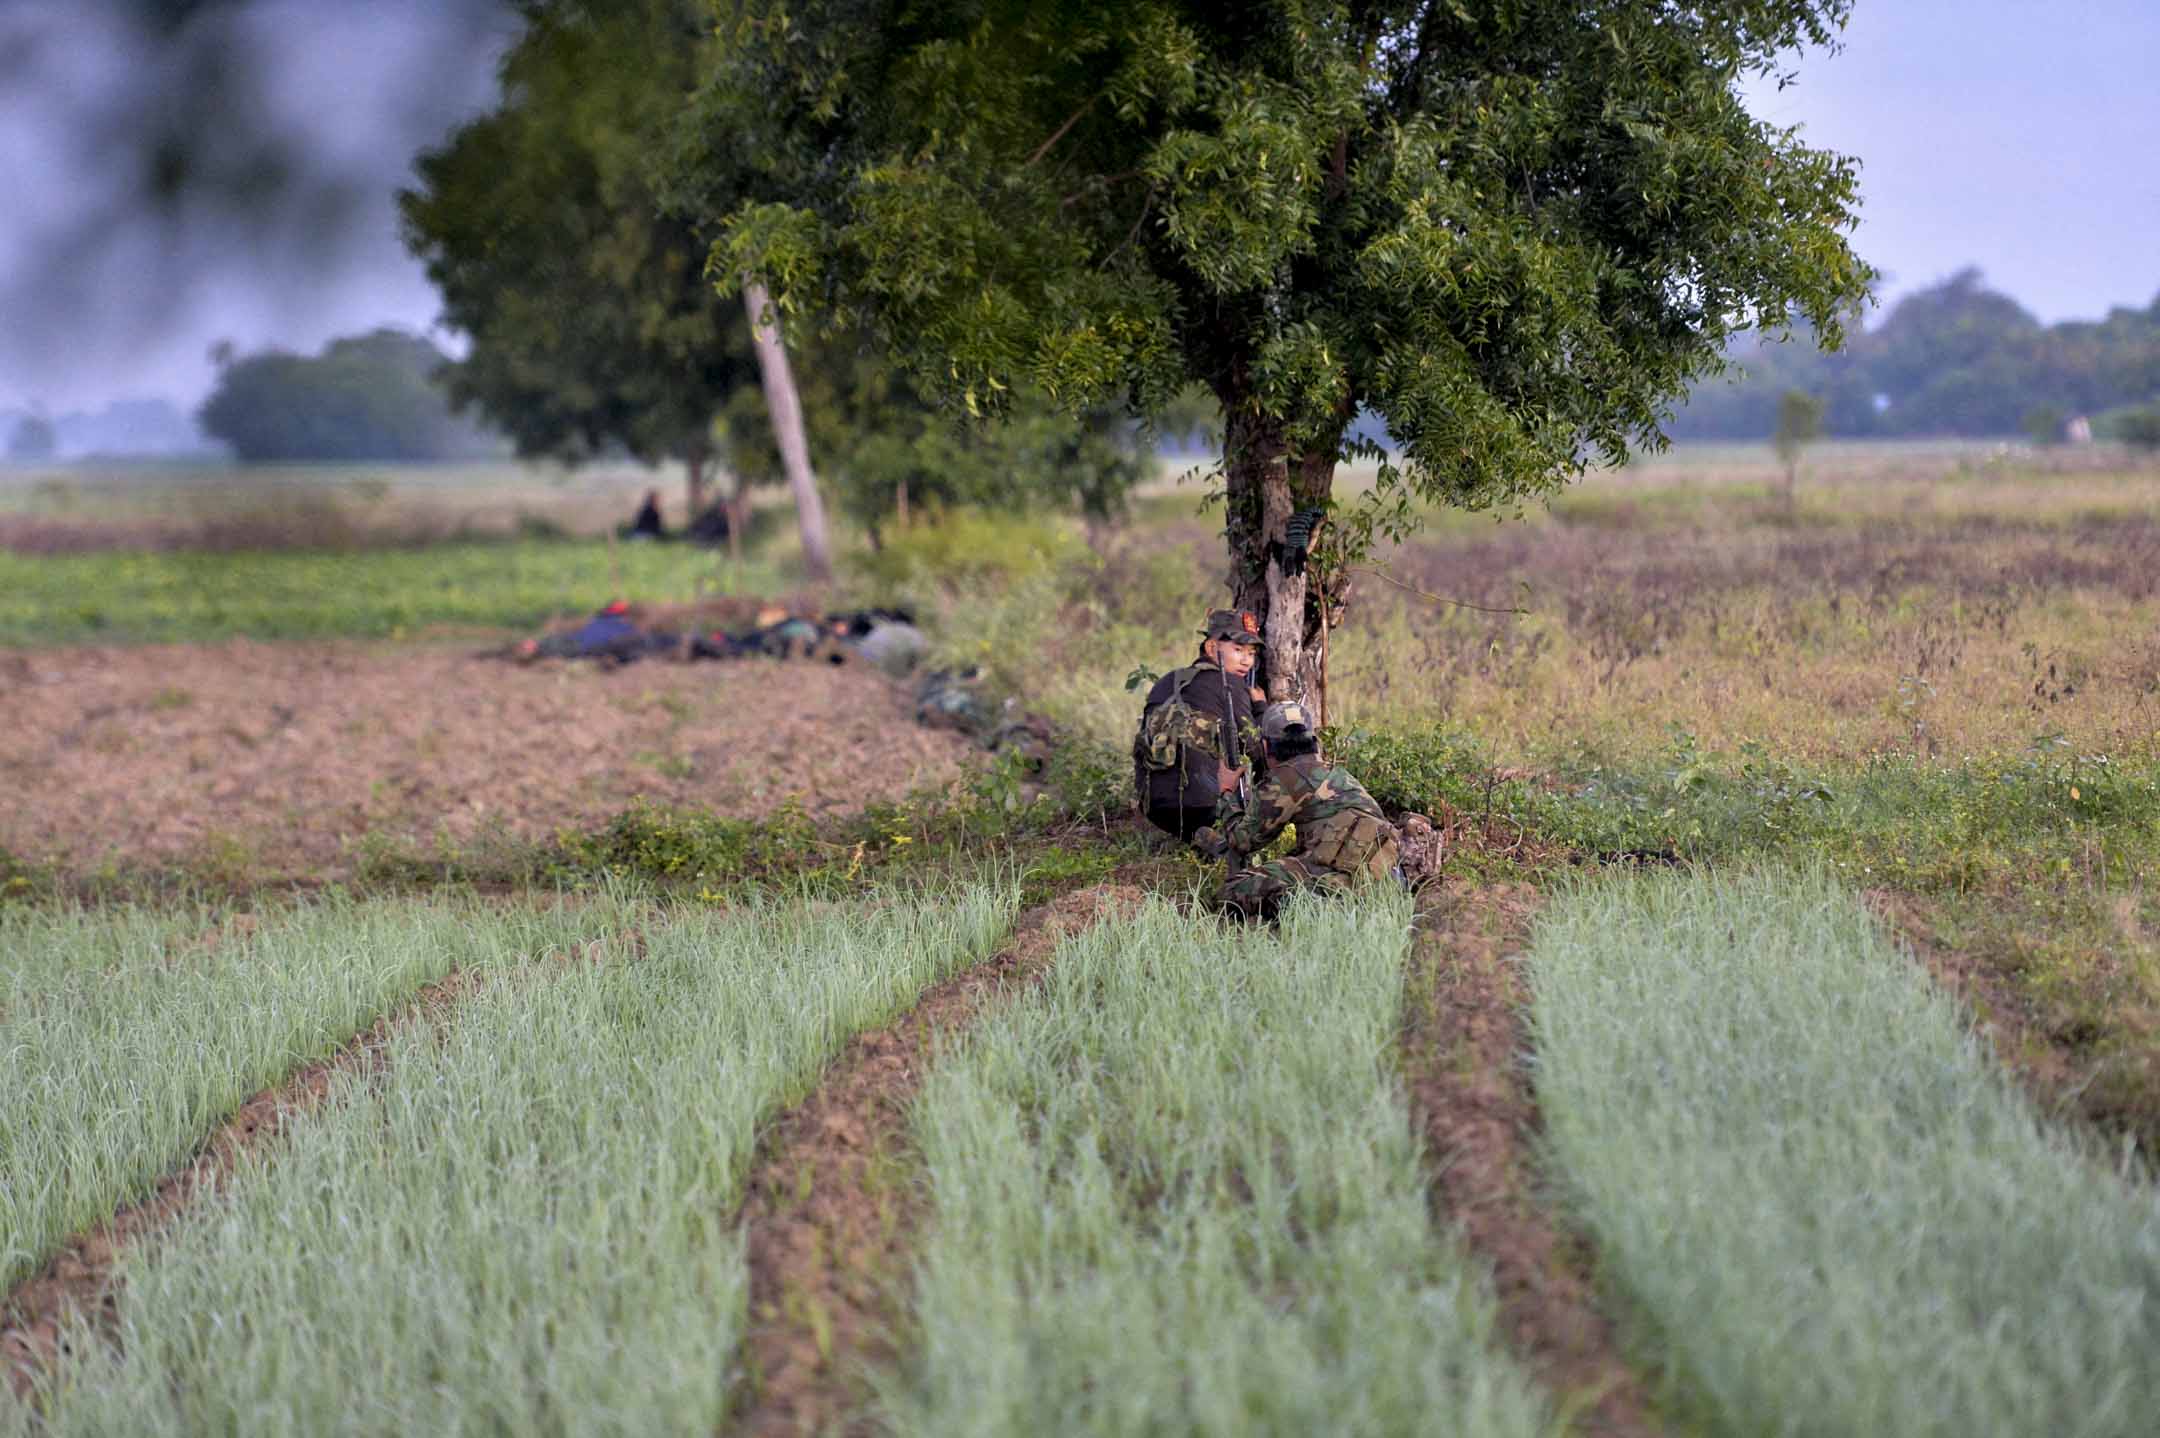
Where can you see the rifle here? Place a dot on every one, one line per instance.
(1236, 752)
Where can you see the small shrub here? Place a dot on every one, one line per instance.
(20, 880)
(539, 526)
(961, 546)
(685, 845)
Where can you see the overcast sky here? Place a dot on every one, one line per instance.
(2007, 134)
(2014, 135)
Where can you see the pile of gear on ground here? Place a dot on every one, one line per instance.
(731, 629)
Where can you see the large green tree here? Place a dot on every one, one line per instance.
(32, 440)
(592, 327)
(1514, 229)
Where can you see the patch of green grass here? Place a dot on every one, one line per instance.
(524, 1225)
(2079, 961)
(1056, 868)
(1982, 824)
(1828, 1209)
(137, 597)
(1177, 1191)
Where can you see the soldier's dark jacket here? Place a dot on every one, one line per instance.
(1220, 730)
(1339, 825)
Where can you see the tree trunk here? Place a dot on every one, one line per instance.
(785, 408)
(694, 486)
(738, 517)
(1265, 485)
(900, 499)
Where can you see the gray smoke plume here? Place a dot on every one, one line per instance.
(181, 171)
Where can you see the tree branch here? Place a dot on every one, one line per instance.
(1094, 180)
(1382, 574)
(1134, 233)
(1059, 133)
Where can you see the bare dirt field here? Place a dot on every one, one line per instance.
(285, 755)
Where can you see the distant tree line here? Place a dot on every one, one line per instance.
(375, 396)
(1954, 359)
(31, 440)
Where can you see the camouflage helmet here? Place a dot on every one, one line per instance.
(1239, 626)
(1284, 721)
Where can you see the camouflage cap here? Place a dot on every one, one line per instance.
(1239, 626)
(1284, 721)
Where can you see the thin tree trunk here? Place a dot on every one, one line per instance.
(900, 499)
(738, 517)
(1265, 485)
(694, 485)
(785, 407)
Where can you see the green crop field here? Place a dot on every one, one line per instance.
(470, 587)
(524, 1228)
(1178, 1192)
(1813, 1186)
(1778, 1050)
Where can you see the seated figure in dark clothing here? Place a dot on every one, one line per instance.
(647, 525)
(1195, 735)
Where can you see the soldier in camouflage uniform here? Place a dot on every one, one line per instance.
(1342, 837)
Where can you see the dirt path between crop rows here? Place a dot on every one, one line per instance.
(2060, 1078)
(833, 1205)
(81, 1276)
(1471, 1098)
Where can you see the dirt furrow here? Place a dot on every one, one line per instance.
(81, 1277)
(2066, 1078)
(1463, 1040)
(832, 1204)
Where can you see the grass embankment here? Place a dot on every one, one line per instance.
(1826, 1206)
(126, 1036)
(461, 586)
(524, 1226)
(1177, 1191)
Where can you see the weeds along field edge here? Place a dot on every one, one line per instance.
(1826, 1208)
(1177, 1190)
(127, 1035)
(526, 1224)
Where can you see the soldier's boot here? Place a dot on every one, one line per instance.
(1255, 893)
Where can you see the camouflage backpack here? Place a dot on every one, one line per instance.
(1166, 729)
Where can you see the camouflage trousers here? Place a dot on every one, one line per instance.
(1257, 892)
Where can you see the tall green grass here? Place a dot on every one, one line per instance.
(1831, 1211)
(1178, 1192)
(125, 1037)
(524, 1226)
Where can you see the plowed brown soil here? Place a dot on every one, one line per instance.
(80, 1277)
(832, 1209)
(278, 758)
(1462, 1047)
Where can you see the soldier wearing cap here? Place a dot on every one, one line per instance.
(1342, 837)
(1196, 730)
